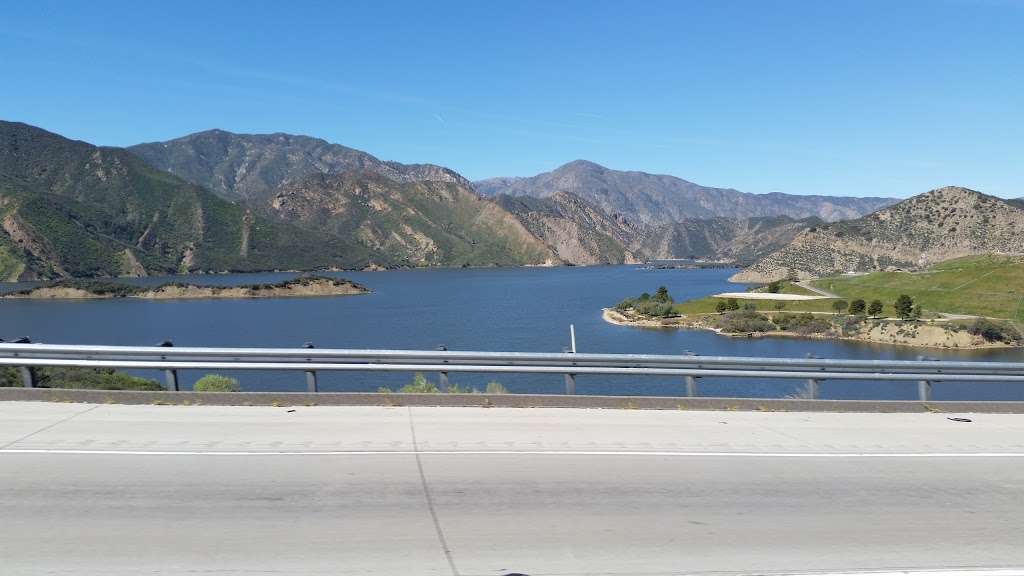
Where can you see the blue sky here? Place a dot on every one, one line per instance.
(848, 98)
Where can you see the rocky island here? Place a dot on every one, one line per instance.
(84, 289)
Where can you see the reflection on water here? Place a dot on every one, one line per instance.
(502, 309)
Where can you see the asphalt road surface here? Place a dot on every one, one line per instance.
(129, 490)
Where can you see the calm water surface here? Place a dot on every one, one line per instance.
(505, 309)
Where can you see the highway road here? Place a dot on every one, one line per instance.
(128, 490)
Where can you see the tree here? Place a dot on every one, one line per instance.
(644, 297)
(839, 306)
(774, 287)
(857, 306)
(732, 304)
(662, 295)
(720, 306)
(875, 308)
(915, 314)
(904, 306)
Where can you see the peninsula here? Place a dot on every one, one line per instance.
(963, 303)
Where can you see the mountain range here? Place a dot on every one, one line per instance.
(938, 225)
(563, 209)
(218, 201)
(657, 199)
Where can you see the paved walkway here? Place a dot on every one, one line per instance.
(767, 296)
(820, 291)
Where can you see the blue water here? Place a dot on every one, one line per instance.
(500, 309)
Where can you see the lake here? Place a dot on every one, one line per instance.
(495, 309)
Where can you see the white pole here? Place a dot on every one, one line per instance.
(572, 337)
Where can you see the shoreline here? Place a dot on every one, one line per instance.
(309, 287)
(367, 268)
(680, 323)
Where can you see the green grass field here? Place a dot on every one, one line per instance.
(707, 305)
(790, 288)
(990, 286)
(978, 285)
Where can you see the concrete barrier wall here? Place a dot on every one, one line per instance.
(494, 400)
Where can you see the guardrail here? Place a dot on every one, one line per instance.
(688, 366)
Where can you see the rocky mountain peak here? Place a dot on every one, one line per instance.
(251, 167)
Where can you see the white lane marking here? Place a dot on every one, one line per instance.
(954, 572)
(526, 453)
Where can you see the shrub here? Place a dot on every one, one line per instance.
(732, 304)
(660, 305)
(780, 305)
(858, 306)
(851, 324)
(92, 379)
(654, 308)
(495, 388)
(875, 308)
(9, 377)
(625, 305)
(744, 321)
(803, 324)
(750, 306)
(774, 287)
(216, 383)
(419, 385)
(994, 332)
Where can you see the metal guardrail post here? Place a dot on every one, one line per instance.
(310, 374)
(691, 386)
(924, 390)
(442, 378)
(812, 388)
(170, 376)
(28, 373)
(570, 379)
(691, 381)
(28, 376)
(812, 383)
(924, 387)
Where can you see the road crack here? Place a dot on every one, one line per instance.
(48, 427)
(430, 500)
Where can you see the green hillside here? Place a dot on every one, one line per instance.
(977, 285)
(68, 208)
(422, 223)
